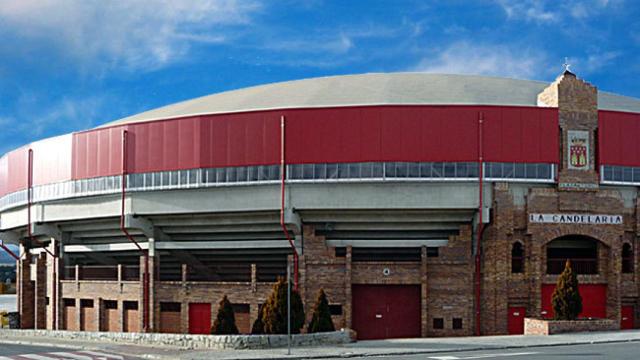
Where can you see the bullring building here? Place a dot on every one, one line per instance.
(424, 205)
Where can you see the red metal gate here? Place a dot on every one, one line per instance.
(199, 318)
(515, 321)
(627, 319)
(594, 300)
(386, 311)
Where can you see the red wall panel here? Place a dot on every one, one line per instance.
(356, 134)
(618, 135)
(52, 160)
(515, 134)
(240, 139)
(97, 153)
(4, 175)
(18, 166)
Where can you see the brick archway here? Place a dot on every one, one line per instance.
(610, 236)
(600, 234)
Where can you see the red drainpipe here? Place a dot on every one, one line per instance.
(480, 225)
(145, 276)
(283, 175)
(54, 257)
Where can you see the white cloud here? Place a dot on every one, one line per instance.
(35, 117)
(142, 34)
(595, 62)
(546, 11)
(530, 10)
(467, 58)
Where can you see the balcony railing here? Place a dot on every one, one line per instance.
(580, 266)
(101, 272)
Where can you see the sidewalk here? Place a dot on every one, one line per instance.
(362, 348)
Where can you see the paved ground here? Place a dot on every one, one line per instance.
(398, 348)
(8, 303)
(8, 351)
(621, 351)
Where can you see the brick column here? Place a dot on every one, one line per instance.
(614, 280)
(254, 278)
(184, 313)
(423, 292)
(98, 305)
(79, 318)
(41, 292)
(120, 316)
(153, 307)
(537, 263)
(348, 314)
(26, 291)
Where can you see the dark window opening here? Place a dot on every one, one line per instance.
(69, 302)
(110, 304)
(438, 323)
(627, 258)
(457, 323)
(130, 305)
(581, 250)
(341, 251)
(433, 252)
(386, 254)
(170, 307)
(46, 300)
(517, 258)
(86, 303)
(335, 309)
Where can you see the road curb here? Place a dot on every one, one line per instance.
(97, 347)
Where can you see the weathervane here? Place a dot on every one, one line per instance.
(566, 64)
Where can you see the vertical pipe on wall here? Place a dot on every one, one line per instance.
(283, 174)
(480, 225)
(145, 254)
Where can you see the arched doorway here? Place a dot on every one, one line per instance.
(581, 250)
(585, 254)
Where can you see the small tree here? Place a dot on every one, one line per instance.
(275, 310)
(321, 319)
(258, 326)
(566, 299)
(225, 323)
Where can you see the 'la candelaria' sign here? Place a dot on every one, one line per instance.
(597, 219)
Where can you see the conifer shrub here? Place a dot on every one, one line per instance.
(566, 299)
(321, 319)
(258, 326)
(225, 323)
(275, 310)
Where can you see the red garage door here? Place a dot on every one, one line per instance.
(594, 300)
(516, 320)
(386, 311)
(627, 319)
(199, 318)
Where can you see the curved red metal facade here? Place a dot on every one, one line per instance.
(323, 135)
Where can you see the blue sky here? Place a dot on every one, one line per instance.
(68, 65)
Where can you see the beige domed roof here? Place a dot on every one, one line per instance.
(371, 89)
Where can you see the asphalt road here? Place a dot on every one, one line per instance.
(626, 350)
(11, 351)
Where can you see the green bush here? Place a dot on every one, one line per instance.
(225, 323)
(275, 310)
(566, 299)
(321, 319)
